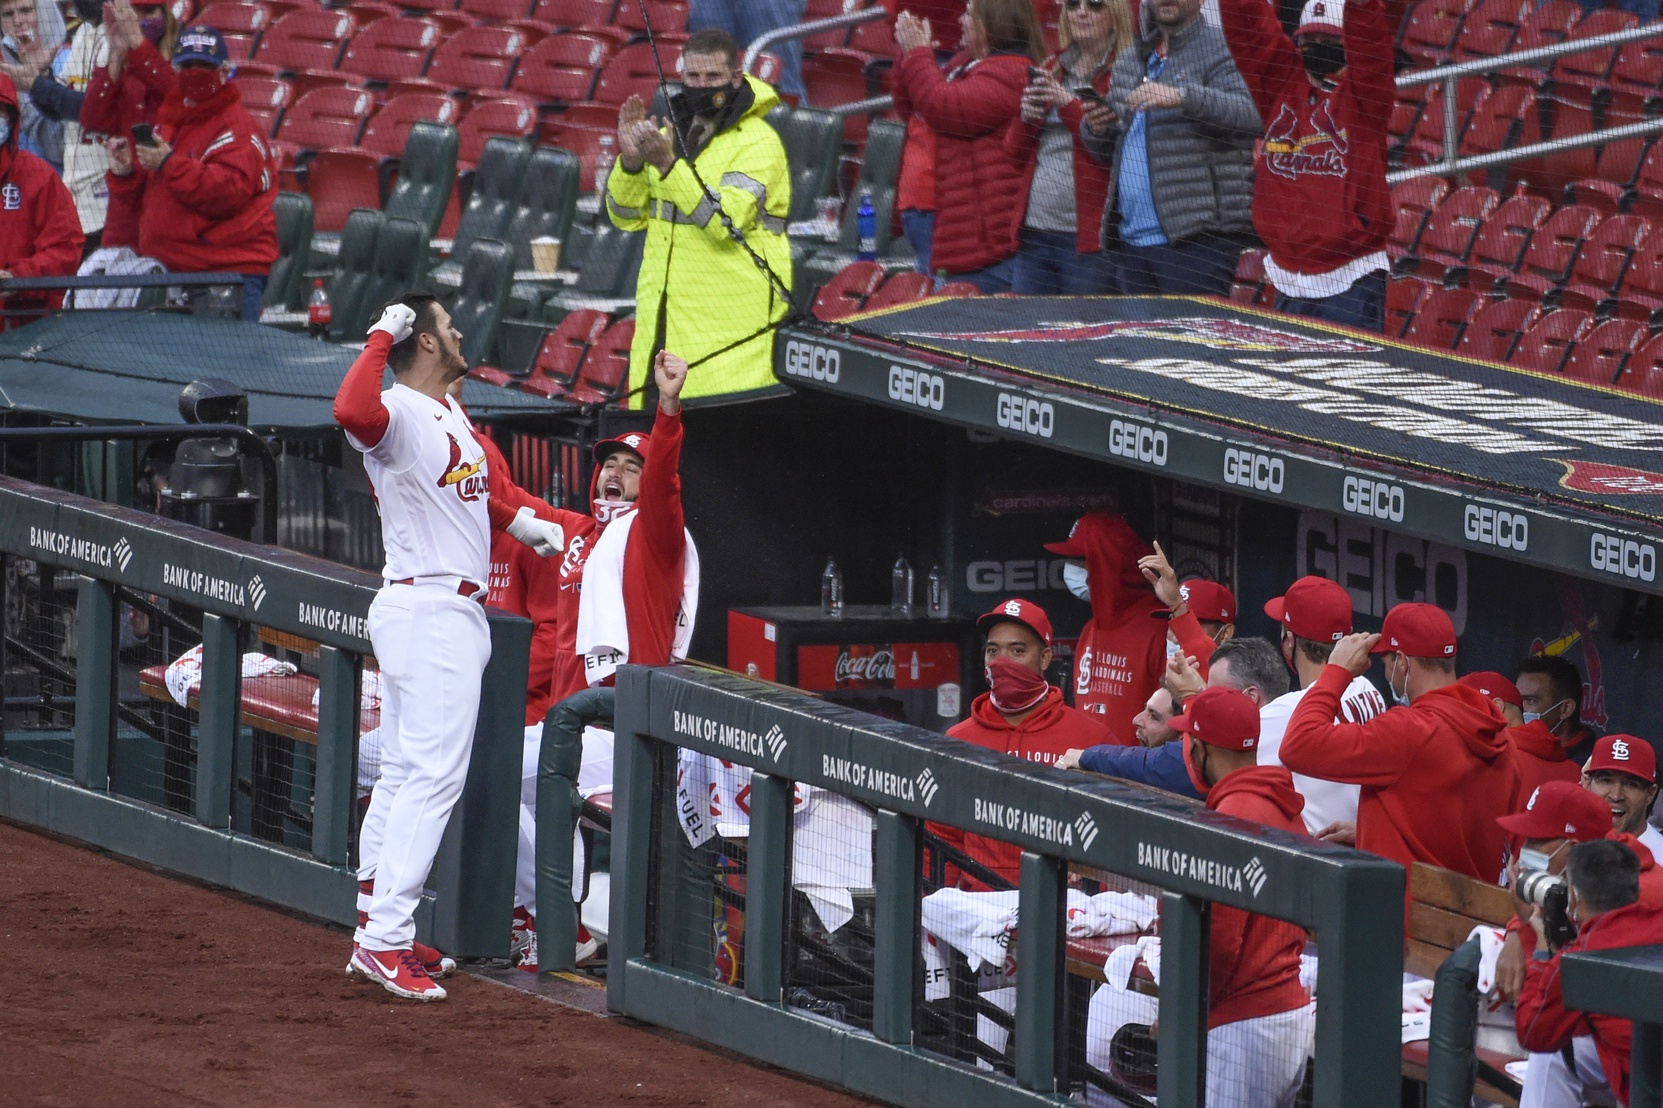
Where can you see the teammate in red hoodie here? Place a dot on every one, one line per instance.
(40, 234)
(1260, 1021)
(1435, 772)
(1121, 653)
(1320, 199)
(1021, 714)
(1537, 751)
(1606, 905)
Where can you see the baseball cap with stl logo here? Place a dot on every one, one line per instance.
(1418, 630)
(1220, 717)
(1325, 17)
(1209, 600)
(1017, 610)
(636, 442)
(1313, 608)
(1560, 810)
(1624, 754)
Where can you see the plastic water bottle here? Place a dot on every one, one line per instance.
(318, 312)
(935, 592)
(866, 220)
(605, 153)
(900, 587)
(831, 590)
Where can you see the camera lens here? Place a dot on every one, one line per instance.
(1535, 887)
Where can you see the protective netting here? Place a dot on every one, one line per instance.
(39, 653)
(155, 757)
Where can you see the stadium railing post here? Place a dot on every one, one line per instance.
(1181, 1072)
(1359, 1034)
(895, 938)
(1039, 991)
(95, 685)
(1646, 1070)
(632, 847)
(1451, 1065)
(558, 764)
(766, 893)
(337, 773)
(218, 721)
(474, 874)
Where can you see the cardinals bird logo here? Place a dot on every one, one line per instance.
(462, 474)
(1288, 154)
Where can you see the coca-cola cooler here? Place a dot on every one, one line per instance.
(906, 667)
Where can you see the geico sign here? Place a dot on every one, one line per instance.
(1497, 526)
(1623, 557)
(1025, 414)
(1372, 498)
(914, 386)
(1264, 472)
(804, 359)
(1134, 440)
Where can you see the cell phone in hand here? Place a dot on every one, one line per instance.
(144, 133)
(1089, 94)
(1034, 73)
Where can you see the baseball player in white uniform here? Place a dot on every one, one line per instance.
(427, 623)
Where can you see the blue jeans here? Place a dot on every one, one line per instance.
(919, 228)
(1049, 263)
(748, 20)
(995, 278)
(254, 296)
(1363, 305)
(1200, 266)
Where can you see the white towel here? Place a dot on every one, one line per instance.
(602, 626)
(116, 261)
(369, 691)
(1112, 913)
(1490, 942)
(184, 673)
(1117, 971)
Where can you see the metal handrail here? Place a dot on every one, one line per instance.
(1479, 66)
(1535, 150)
(812, 27)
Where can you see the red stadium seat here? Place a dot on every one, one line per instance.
(903, 288)
(1503, 239)
(1441, 318)
(1635, 79)
(477, 58)
(309, 80)
(1646, 194)
(666, 16)
(1450, 232)
(767, 68)
(876, 38)
(1643, 375)
(266, 99)
(324, 118)
(560, 355)
(1506, 118)
(1614, 172)
(1642, 292)
(581, 140)
(451, 23)
(1430, 34)
(1603, 259)
(1248, 287)
(1405, 115)
(366, 12)
(1552, 251)
(1489, 29)
(305, 40)
(562, 68)
(825, 9)
(343, 178)
(1547, 344)
(392, 49)
(838, 76)
(1426, 144)
(240, 23)
(958, 288)
(1403, 296)
(1547, 25)
(1414, 200)
(514, 116)
(1600, 354)
(604, 374)
(1495, 328)
(632, 72)
(847, 292)
(499, 10)
(575, 13)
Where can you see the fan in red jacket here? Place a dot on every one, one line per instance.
(979, 189)
(205, 187)
(1260, 1021)
(40, 234)
(129, 88)
(1021, 714)
(1604, 880)
(1436, 772)
(1121, 652)
(1320, 199)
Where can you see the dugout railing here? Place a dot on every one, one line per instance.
(247, 783)
(668, 894)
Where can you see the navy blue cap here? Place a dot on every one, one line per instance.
(201, 43)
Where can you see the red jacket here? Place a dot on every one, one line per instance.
(1050, 731)
(208, 208)
(1435, 775)
(1540, 757)
(655, 559)
(1121, 652)
(40, 234)
(1543, 1022)
(1320, 198)
(1255, 959)
(1091, 178)
(979, 194)
(111, 108)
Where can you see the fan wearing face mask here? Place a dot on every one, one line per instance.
(1320, 199)
(58, 89)
(129, 85)
(1021, 714)
(40, 235)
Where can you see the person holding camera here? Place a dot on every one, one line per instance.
(1603, 905)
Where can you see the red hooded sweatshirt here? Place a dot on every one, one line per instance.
(40, 234)
(1435, 775)
(1121, 652)
(111, 108)
(1540, 757)
(1048, 732)
(1255, 959)
(1543, 1022)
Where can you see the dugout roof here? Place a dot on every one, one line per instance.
(128, 367)
(1524, 465)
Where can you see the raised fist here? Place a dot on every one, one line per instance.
(398, 320)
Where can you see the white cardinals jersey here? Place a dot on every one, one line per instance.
(430, 480)
(1326, 802)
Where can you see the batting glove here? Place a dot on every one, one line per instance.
(397, 320)
(541, 535)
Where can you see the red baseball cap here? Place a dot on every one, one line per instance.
(1625, 754)
(1220, 717)
(636, 442)
(1209, 600)
(1017, 610)
(1313, 608)
(1325, 16)
(1494, 685)
(1560, 810)
(1418, 630)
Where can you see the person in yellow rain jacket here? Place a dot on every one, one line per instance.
(699, 290)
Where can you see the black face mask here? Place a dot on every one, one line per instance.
(90, 11)
(706, 102)
(1323, 59)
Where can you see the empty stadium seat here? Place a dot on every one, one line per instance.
(1642, 291)
(241, 24)
(266, 99)
(392, 49)
(286, 284)
(574, 13)
(1503, 239)
(1403, 296)
(498, 10)
(1426, 143)
(366, 12)
(560, 356)
(400, 264)
(1599, 355)
(305, 40)
(838, 76)
(1645, 197)
(1489, 29)
(880, 161)
(611, 263)
(1615, 170)
(665, 16)
(1441, 318)
(1494, 329)
(487, 270)
(546, 204)
(515, 117)
(958, 288)
(323, 118)
(1635, 79)
(426, 175)
(813, 140)
(847, 292)
(604, 374)
(352, 272)
(342, 178)
(1548, 25)
(825, 9)
(1414, 200)
(1430, 33)
(1552, 251)
(633, 72)
(1643, 375)
(902, 288)
(1450, 232)
(1547, 344)
(1577, 77)
(583, 142)
(477, 58)
(1248, 287)
(1602, 261)
(562, 68)
(766, 68)
(496, 189)
(1504, 118)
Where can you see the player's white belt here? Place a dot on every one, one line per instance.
(460, 585)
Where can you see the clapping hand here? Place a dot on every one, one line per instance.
(120, 155)
(912, 32)
(1183, 678)
(629, 151)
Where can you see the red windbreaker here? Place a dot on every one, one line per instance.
(1121, 652)
(979, 195)
(1540, 757)
(1543, 1022)
(40, 234)
(1050, 731)
(1255, 959)
(111, 108)
(208, 207)
(1320, 198)
(1435, 775)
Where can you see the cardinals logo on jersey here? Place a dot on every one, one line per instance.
(467, 477)
(1321, 152)
(577, 553)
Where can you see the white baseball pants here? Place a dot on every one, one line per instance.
(1260, 1062)
(1549, 1082)
(432, 645)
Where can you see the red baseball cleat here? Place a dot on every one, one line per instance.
(397, 971)
(437, 965)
